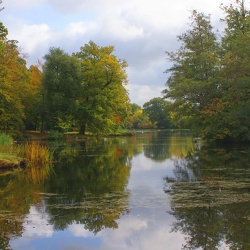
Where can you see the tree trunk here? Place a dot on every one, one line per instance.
(82, 129)
(43, 127)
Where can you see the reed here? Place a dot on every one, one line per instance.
(38, 160)
(35, 153)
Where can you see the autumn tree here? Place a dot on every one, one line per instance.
(192, 83)
(13, 84)
(34, 98)
(139, 118)
(103, 95)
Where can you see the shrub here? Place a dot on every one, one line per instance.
(55, 135)
(5, 141)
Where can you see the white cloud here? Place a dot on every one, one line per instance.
(141, 31)
(22, 4)
(143, 93)
(115, 28)
(75, 29)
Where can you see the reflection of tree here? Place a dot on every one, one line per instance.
(17, 192)
(90, 185)
(167, 144)
(210, 198)
(203, 227)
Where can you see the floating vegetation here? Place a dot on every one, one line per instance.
(209, 193)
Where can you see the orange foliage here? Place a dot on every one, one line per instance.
(216, 106)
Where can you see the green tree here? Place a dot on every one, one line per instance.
(158, 112)
(193, 83)
(227, 118)
(103, 95)
(61, 83)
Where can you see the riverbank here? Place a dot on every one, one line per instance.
(10, 161)
(9, 158)
(21, 155)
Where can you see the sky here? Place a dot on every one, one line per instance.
(141, 31)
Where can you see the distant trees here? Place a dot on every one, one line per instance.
(209, 82)
(139, 118)
(158, 111)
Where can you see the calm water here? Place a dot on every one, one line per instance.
(157, 190)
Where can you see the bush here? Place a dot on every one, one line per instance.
(5, 140)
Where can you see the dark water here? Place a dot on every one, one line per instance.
(157, 190)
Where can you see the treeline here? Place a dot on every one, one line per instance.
(84, 91)
(209, 83)
(208, 86)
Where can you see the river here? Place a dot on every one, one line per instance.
(156, 190)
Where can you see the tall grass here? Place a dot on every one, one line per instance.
(35, 153)
(38, 160)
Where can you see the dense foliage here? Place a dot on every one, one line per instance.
(209, 81)
(85, 90)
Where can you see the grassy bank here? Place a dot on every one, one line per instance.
(24, 155)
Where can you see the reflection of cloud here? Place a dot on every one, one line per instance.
(147, 182)
(141, 233)
(36, 225)
(78, 230)
(140, 163)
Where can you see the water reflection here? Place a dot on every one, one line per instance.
(165, 144)
(210, 198)
(89, 190)
(18, 191)
(113, 193)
